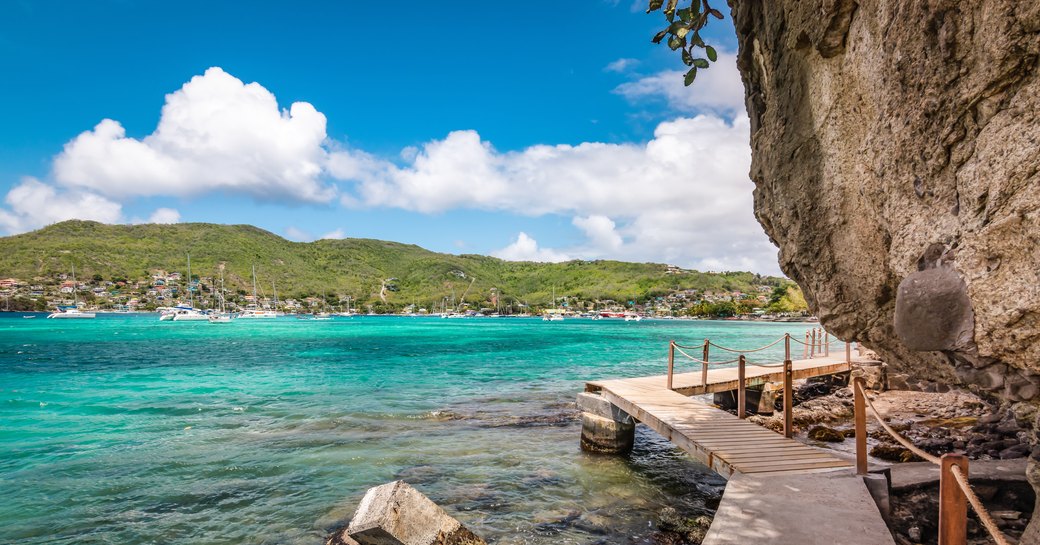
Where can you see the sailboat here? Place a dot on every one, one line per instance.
(256, 313)
(185, 313)
(323, 315)
(222, 317)
(73, 312)
(552, 316)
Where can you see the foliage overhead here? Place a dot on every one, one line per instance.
(684, 32)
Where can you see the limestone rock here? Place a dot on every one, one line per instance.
(893, 138)
(823, 433)
(397, 514)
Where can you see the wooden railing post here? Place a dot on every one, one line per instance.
(805, 356)
(704, 365)
(826, 344)
(953, 504)
(671, 362)
(812, 343)
(848, 354)
(788, 398)
(860, 414)
(787, 346)
(740, 387)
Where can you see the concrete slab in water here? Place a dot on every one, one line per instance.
(806, 508)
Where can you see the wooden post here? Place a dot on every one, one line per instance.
(704, 365)
(953, 504)
(848, 354)
(860, 415)
(740, 387)
(826, 344)
(788, 399)
(671, 362)
(806, 346)
(812, 344)
(787, 346)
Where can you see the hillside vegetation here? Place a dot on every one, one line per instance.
(358, 268)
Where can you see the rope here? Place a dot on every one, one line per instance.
(962, 480)
(795, 339)
(980, 509)
(895, 435)
(679, 350)
(735, 351)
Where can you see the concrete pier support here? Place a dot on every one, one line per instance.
(759, 399)
(605, 429)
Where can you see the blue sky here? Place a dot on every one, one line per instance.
(543, 130)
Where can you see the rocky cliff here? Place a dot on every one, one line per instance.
(896, 147)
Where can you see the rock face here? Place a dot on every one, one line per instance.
(899, 141)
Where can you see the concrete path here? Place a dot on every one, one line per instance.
(916, 474)
(829, 508)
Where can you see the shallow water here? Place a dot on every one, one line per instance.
(129, 430)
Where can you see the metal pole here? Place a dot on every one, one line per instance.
(671, 362)
(788, 398)
(740, 387)
(860, 414)
(953, 504)
(704, 366)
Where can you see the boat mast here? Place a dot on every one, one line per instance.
(256, 302)
(191, 298)
(75, 288)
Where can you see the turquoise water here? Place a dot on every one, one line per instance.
(129, 430)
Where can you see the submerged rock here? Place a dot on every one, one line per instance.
(829, 435)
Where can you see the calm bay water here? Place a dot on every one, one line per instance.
(129, 430)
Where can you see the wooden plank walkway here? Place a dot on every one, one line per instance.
(715, 437)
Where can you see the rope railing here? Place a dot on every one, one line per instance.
(759, 349)
(814, 339)
(955, 492)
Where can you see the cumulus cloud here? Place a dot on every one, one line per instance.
(334, 234)
(525, 248)
(717, 89)
(683, 197)
(621, 65)
(164, 215)
(215, 133)
(33, 204)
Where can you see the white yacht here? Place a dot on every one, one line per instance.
(185, 313)
(74, 311)
(221, 317)
(256, 313)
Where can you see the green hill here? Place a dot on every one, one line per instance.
(347, 267)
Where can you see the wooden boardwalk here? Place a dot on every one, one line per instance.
(720, 440)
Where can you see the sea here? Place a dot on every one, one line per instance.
(127, 430)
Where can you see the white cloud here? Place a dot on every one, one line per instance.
(216, 133)
(165, 215)
(525, 248)
(33, 204)
(683, 197)
(298, 235)
(334, 234)
(717, 89)
(621, 65)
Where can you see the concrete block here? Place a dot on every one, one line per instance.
(606, 435)
(598, 405)
(397, 514)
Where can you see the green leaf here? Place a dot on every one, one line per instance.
(712, 54)
(674, 42)
(696, 40)
(687, 58)
(669, 9)
(682, 32)
(684, 15)
(700, 63)
(655, 5)
(659, 36)
(716, 13)
(690, 76)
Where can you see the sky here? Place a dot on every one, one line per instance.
(538, 130)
